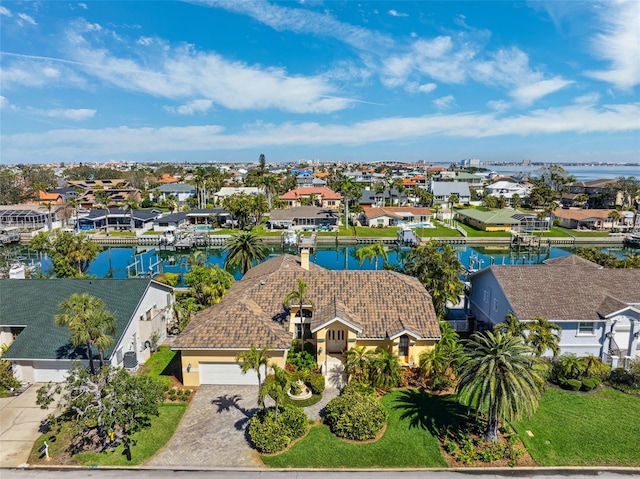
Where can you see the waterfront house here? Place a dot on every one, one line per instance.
(492, 220)
(386, 216)
(598, 309)
(118, 219)
(29, 216)
(344, 309)
(302, 217)
(318, 196)
(442, 191)
(599, 219)
(41, 351)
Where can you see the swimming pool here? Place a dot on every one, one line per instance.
(200, 228)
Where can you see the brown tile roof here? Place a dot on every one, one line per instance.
(581, 214)
(393, 211)
(571, 260)
(252, 312)
(325, 193)
(567, 293)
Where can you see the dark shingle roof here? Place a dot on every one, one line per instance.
(34, 303)
(252, 312)
(570, 260)
(569, 292)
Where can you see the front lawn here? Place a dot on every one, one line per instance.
(144, 444)
(162, 364)
(584, 429)
(409, 439)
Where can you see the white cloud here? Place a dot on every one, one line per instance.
(444, 102)
(192, 107)
(26, 71)
(83, 5)
(415, 87)
(4, 103)
(618, 43)
(5, 11)
(527, 94)
(82, 143)
(588, 99)
(145, 41)
(395, 13)
(498, 105)
(79, 114)
(26, 18)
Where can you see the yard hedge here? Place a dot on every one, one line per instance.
(354, 415)
(270, 436)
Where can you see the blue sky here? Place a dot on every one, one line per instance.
(358, 81)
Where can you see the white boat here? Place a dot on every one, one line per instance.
(291, 239)
(632, 239)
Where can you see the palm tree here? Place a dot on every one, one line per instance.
(452, 200)
(387, 372)
(298, 296)
(372, 252)
(544, 335)
(513, 326)
(244, 249)
(570, 366)
(358, 363)
(270, 184)
(253, 359)
(615, 216)
(88, 323)
(276, 387)
(500, 379)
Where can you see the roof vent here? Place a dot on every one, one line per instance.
(263, 282)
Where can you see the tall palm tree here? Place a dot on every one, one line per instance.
(452, 200)
(102, 199)
(371, 253)
(270, 184)
(88, 323)
(501, 379)
(544, 335)
(614, 216)
(298, 296)
(276, 387)
(244, 249)
(252, 359)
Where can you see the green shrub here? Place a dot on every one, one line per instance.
(439, 382)
(301, 360)
(316, 383)
(589, 384)
(270, 436)
(572, 384)
(359, 387)
(355, 416)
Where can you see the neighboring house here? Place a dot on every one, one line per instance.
(29, 216)
(166, 178)
(116, 190)
(44, 198)
(394, 216)
(118, 218)
(67, 192)
(601, 193)
(598, 309)
(508, 188)
(366, 177)
(182, 191)
(381, 198)
(310, 180)
(442, 190)
(494, 220)
(227, 191)
(41, 351)
(591, 219)
(320, 196)
(345, 309)
(303, 216)
(170, 222)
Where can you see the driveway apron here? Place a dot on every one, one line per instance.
(213, 430)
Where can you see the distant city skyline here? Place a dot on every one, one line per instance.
(224, 81)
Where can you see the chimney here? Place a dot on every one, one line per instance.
(304, 258)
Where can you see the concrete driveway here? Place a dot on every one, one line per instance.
(212, 432)
(20, 420)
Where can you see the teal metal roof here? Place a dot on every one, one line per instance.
(33, 303)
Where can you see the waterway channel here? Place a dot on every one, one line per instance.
(124, 262)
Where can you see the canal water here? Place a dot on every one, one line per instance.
(118, 262)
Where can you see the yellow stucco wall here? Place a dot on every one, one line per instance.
(192, 378)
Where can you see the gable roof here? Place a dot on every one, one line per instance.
(301, 192)
(252, 312)
(571, 260)
(566, 293)
(448, 188)
(33, 303)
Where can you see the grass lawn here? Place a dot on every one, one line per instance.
(315, 398)
(408, 441)
(438, 232)
(144, 444)
(474, 233)
(560, 231)
(161, 364)
(584, 429)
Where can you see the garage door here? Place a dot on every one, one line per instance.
(50, 371)
(226, 373)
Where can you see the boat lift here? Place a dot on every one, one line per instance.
(140, 271)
